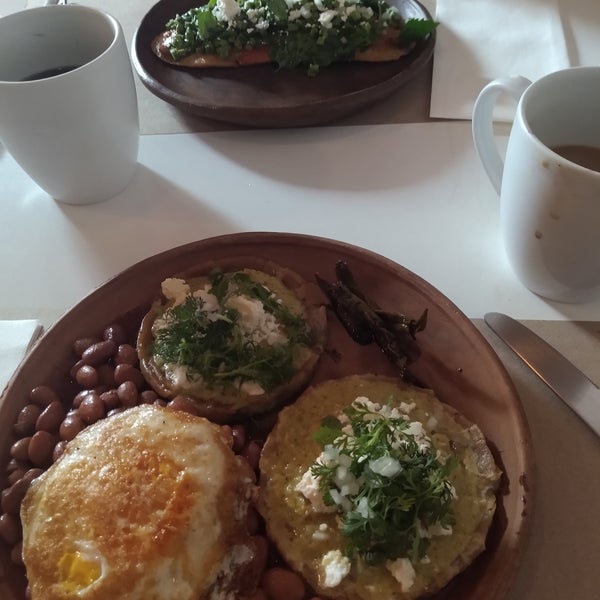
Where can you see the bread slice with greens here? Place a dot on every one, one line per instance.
(291, 33)
(238, 337)
(375, 490)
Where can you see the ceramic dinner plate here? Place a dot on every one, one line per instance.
(456, 362)
(263, 96)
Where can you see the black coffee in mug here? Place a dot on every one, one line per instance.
(50, 72)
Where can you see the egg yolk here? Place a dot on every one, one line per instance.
(77, 571)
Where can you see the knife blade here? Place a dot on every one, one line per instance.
(560, 375)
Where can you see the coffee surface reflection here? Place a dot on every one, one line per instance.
(586, 156)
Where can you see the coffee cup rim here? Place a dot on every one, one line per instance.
(107, 17)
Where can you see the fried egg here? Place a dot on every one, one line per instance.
(147, 504)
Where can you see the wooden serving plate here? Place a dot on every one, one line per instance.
(263, 95)
(456, 362)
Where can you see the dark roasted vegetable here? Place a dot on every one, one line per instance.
(365, 322)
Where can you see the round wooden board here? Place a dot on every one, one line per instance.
(456, 362)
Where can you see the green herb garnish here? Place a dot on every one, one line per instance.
(217, 349)
(398, 487)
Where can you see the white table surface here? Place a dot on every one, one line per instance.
(412, 191)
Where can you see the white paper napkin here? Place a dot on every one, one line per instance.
(16, 337)
(481, 40)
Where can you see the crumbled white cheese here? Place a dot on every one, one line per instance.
(326, 17)
(308, 486)
(210, 303)
(407, 407)
(335, 567)
(321, 533)
(226, 10)
(258, 325)
(402, 571)
(175, 289)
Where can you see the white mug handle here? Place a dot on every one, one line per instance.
(483, 124)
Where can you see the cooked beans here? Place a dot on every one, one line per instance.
(107, 370)
(98, 353)
(51, 417)
(128, 394)
(10, 528)
(43, 395)
(26, 420)
(20, 449)
(40, 448)
(115, 333)
(72, 424)
(82, 344)
(126, 355)
(282, 584)
(91, 409)
(126, 372)
(87, 376)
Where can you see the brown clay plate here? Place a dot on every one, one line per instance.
(261, 95)
(456, 361)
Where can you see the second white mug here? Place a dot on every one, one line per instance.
(549, 182)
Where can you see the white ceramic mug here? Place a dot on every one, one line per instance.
(549, 205)
(68, 105)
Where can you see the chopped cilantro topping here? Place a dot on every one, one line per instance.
(390, 488)
(216, 346)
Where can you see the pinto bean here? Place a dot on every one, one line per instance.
(80, 396)
(40, 448)
(87, 376)
(184, 404)
(126, 354)
(72, 424)
(20, 449)
(82, 344)
(128, 394)
(111, 399)
(13, 496)
(283, 584)
(25, 424)
(148, 397)
(258, 594)
(115, 333)
(58, 450)
(99, 353)
(251, 452)
(16, 554)
(16, 475)
(91, 409)
(126, 372)
(42, 395)
(51, 417)
(10, 528)
(106, 375)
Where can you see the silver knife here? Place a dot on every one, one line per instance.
(561, 376)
